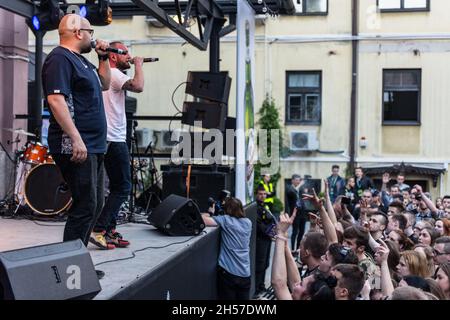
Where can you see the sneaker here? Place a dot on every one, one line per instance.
(115, 238)
(98, 238)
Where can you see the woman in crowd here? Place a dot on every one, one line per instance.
(443, 279)
(401, 239)
(419, 226)
(442, 226)
(412, 263)
(234, 278)
(427, 236)
(428, 253)
(435, 289)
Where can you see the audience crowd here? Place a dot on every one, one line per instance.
(362, 243)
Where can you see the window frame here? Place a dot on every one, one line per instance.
(304, 13)
(419, 98)
(303, 93)
(403, 9)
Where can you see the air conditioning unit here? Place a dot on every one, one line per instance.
(167, 140)
(304, 141)
(144, 137)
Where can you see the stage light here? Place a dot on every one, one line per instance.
(98, 13)
(36, 23)
(83, 11)
(48, 16)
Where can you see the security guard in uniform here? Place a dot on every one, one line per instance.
(268, 187)
(265, 223)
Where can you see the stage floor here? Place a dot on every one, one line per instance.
(18, 234)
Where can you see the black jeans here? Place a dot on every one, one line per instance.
(231, 287)
(85, 181)
(298, 230)
(262, 258)
(117, 165)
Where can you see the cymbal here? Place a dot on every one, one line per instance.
(20, 131)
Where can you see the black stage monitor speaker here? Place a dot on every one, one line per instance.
(206, 181)
(57, 271)
(212, 115)
(177, 216)
(209, 85)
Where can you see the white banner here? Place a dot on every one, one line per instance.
(245, 113)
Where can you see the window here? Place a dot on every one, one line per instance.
(303, 97)
(311, 7)
(401, 96)
(403, 5)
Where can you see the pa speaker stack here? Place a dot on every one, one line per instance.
(212, 90)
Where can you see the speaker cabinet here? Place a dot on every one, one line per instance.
(177, 216)
(209, 85)
(57, 271)
(206, 181)
(212, 115)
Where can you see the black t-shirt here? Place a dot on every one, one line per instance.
(71, 75)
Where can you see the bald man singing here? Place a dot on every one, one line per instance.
(77, 133)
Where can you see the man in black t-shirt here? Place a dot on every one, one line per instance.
(77, 132)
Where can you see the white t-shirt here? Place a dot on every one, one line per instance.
(114, 101)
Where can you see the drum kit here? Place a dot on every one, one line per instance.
(38, 181)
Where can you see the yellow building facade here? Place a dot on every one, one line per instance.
(304, 62)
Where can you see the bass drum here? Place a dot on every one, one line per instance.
(45, 190)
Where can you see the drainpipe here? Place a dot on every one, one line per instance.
(354, 94)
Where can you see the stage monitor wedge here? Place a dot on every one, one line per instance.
(58, 271)
(177, 216)
(209, 85)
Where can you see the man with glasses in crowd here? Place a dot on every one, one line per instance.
(442, 250)
(77, 133)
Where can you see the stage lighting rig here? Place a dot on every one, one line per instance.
(47, 17)
(98, 12)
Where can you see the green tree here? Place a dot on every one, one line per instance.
(269, 119)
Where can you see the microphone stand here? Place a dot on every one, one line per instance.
(153, 178)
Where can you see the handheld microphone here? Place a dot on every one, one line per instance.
(147, 60)
(151, 59)
(109, 49)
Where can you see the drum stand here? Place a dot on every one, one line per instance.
(15, 200)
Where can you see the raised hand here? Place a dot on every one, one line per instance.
(313, 198)
(418, 188)
(382, 253)
(285, 222)
(327, 186)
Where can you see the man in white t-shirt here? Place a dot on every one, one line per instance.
(117, 158)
